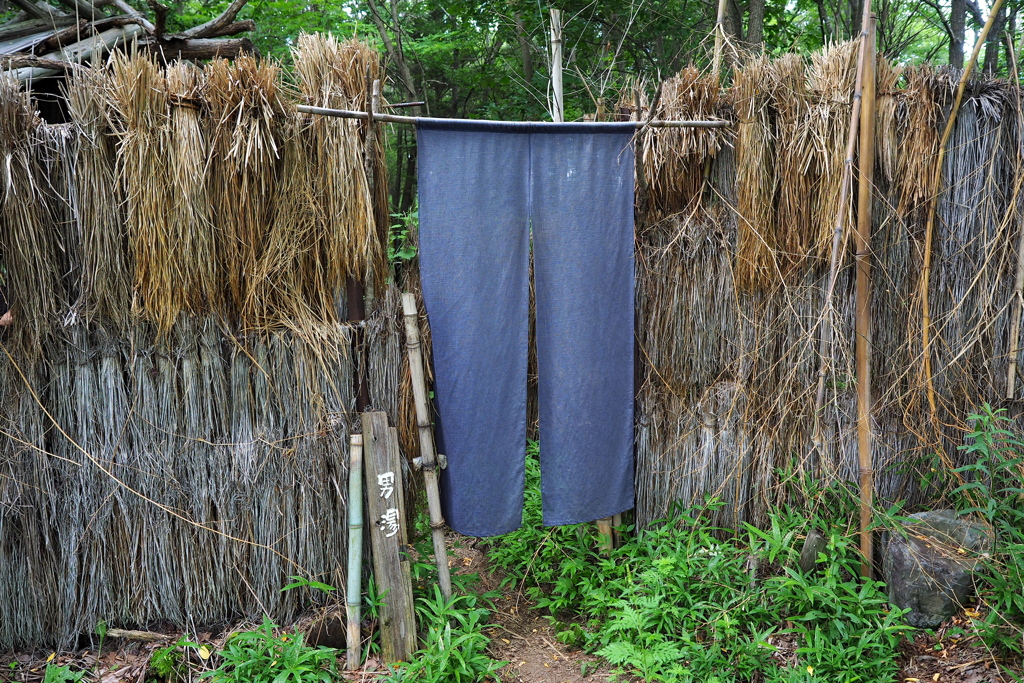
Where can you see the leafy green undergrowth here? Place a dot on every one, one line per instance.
(992, 489)
(453, 643)
(685, 601)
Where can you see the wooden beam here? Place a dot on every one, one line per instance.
(200, 48)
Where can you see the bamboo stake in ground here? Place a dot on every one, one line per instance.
(863, 306)
(926, 271)
(429, 462)
(355, 548)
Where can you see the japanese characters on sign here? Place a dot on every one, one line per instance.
(389, 521)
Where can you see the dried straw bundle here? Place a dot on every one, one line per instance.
(193, 240)
(344, 240)
(887, 116)
(831, 78)
(797, 172)
(107, 269)
(248, 111)
(674, 158)
(55, 148)
(756, 176)
(920, 119)
(27, 247)
(139, 100)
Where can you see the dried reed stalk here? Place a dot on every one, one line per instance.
(926, 317)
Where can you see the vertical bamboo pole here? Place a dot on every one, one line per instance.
(825, 344)
(863, 306)
(1018, 303)
(353, 600)
(716, 63)
(558, 108)
(429, 462)
(926, 271)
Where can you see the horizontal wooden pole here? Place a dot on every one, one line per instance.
(395, 118)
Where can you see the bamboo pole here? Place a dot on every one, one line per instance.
(863, 306)
(716, 63)
(558, 105)
(396, 118)
(926, 271)
(353, 600)
(428, 462)
(825, 344)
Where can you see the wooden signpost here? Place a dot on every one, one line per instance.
(385, 504)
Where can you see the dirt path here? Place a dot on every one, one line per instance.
(520, 635)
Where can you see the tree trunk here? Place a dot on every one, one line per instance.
(524, 47)
(755, 22)
(993, 44)
(957, 31)
(733, 24)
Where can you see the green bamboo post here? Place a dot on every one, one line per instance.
(355, 548)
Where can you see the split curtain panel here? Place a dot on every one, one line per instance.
(488, 192)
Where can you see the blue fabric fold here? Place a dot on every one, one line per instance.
(480, 184)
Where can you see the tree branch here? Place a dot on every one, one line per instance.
(132, 12)
(404, 74)
(211, 27)
(161, 18)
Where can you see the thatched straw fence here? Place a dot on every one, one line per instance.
(732, 284)
(178, 388)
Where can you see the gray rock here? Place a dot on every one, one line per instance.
(814, 543)
(929, 564)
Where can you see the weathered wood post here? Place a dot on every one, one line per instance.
(386, 514)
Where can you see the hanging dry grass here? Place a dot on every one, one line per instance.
(797, 170)
(107, 269)
(139, 98)
(756, 176)
(344, 240)
(831, 78)
(193, 242)
(927, 90)
(887, 119)
(674, 158)
(27, 249)
(248, 112)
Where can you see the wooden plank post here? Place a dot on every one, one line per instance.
(385, 512)
(428, 461)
